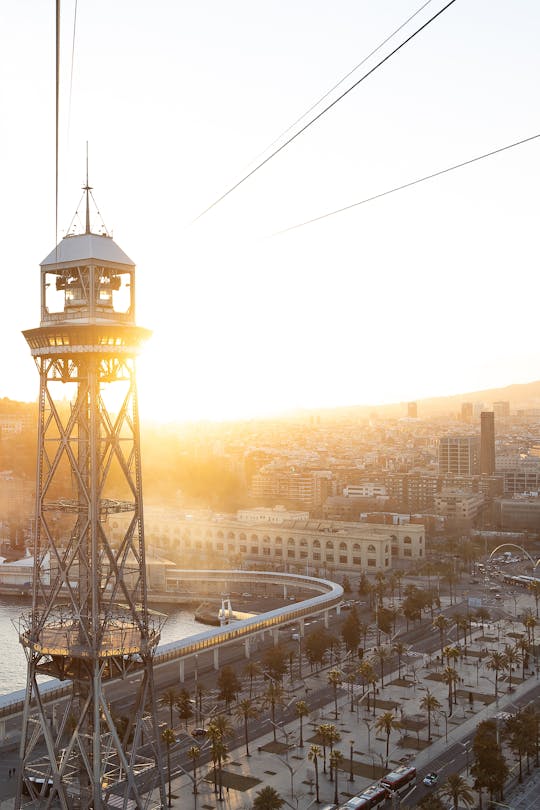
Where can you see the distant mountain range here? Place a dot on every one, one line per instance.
(520, 396)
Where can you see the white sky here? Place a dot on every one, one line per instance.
(430, 291)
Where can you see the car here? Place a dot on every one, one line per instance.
(199, 732)
(431, 779)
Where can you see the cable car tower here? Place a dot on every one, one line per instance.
(89, 622)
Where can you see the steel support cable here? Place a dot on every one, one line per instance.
(72, 65)
(324, 111)
(340, 82)
(408, 185)
(57, 118)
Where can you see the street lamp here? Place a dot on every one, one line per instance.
(445, 714)
(466, 748)
(368, 724)
(351, 775)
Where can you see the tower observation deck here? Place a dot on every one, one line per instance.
(89, 620)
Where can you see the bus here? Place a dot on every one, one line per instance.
(403, 776)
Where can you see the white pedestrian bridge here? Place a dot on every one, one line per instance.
(327, 597)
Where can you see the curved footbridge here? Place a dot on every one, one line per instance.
(193, 650)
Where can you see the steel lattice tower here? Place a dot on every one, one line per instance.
(89, 622)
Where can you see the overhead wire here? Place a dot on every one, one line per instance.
(72, 65)
(407, 185)
(343, 78)
(57, 118)
(324, 110)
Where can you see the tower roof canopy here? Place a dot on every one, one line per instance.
(85, 247)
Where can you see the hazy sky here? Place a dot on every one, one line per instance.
(430, 291)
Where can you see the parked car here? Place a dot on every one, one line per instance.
(431, 779)
(199, 732)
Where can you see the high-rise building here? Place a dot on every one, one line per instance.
(459, 455)
(501, 410)
(412, 410)
(467, 412)
(487, 443)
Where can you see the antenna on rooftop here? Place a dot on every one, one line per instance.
(87, 189)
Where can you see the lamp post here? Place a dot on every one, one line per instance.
(368, 724)
(445, 714)
(351, 774)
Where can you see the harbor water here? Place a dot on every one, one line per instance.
(179, 624)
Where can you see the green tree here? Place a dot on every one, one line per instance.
(267, 799)
(512, 657)
(228, 685)
(457, 790)
(382, 654)
(496, 663)
(442, 624)
(194, 753)
(301, 710)
(429, 704)
(168, 700)
(400, 649)
(167, 735)
(246, 711)
(449, 676)
(273, 697)
(183, 706)
(313, 756)
(335, 679)
(489, 767)
(386, 723)
(431, 802)
(251, 670)
(336, 759)
(350, 631)
(317, 645)
(274, 662)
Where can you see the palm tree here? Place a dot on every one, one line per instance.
(457, 790)
(218, 729)
(168, 699)
(351, 680)
(273, 697)
(267, 799)
(194, 752)
(246, 710)
(512, 657)
(323, 734)
(335, 679)
(429, 703)
(313, 756)
(383, 655)
(301, 709)
(442, 624)
(336, 758)
(451, 654)
(386, 723)
(449, 676)
(400, 649)
(496, 662)
(251, 670)
(167, 735)
(219, 756)
(366, 672)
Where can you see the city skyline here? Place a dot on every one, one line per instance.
(418, 295)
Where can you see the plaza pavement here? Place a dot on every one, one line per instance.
(357, 727)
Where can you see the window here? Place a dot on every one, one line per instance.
(266, 552)
(329, 557)
(278, 552)
(316, 555)
(329, 544)
(290, 542)
(254, 538)
(290, 552)
(343, 558)
(254, 549)
(303, 554)
(407, 552)
(220, 535)
(230, 536)
(343, 546)
(372, 563)
(316, 544)
(243, 549)
(278, 541)
(357, 561)
(407, 541)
